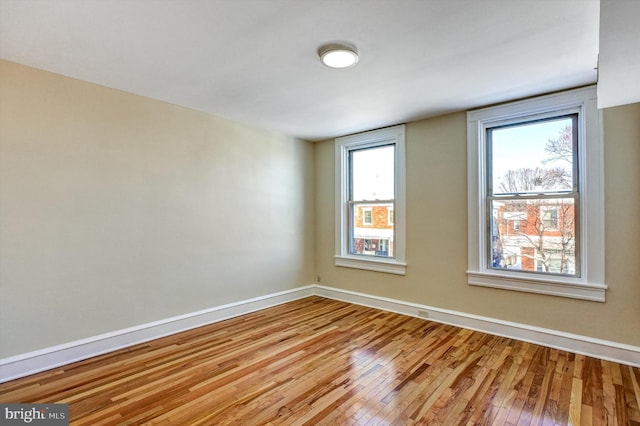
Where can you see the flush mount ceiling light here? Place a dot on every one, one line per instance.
(338, 55)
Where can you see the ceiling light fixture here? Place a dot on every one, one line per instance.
(338, 55)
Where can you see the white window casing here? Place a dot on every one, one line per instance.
(387, 136)
(589, 285)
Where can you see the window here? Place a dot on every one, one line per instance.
(383, 248)
(366, 216)
(530, 177)
(370, 200)
(549, 218)
(536, 220)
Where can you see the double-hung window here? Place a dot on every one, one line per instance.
(535, 196)
(531, 171)
(370, 200)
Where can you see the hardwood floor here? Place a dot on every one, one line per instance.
(317, 361)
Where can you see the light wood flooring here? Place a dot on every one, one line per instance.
(317, 361)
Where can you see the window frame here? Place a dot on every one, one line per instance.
(590, 284)
(376, 138)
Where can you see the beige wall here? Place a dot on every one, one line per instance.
(117, 210)
(437, 234)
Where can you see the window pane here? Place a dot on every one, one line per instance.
(372, 234)
(534, 235)
(372, 173)
(535, 157)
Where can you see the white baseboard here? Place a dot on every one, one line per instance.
(45, 359)
(598, 348)
(34, 362)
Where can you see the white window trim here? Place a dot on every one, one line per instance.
(590, 285)
(396, 265)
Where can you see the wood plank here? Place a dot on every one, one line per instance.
(609, 393)
(575, 404)
(317, 361)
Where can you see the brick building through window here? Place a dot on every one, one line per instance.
(373, 230)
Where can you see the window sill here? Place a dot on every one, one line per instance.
(372, 264)
(544, 285)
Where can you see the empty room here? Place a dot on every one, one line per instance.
(320, 212)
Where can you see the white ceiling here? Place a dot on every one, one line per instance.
(255, 61)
